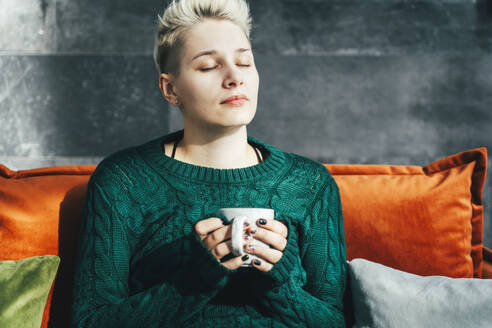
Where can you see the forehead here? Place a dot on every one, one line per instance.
(211, 34)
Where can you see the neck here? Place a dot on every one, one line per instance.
(222, 149)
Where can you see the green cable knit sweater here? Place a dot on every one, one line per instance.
(140, 264)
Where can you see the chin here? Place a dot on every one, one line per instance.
(234, 124)
(229, 123)
(244, 117)
(234, 116)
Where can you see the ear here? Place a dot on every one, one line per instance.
(167, 88)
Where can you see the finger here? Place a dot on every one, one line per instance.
(267, 253)
(204, 227)
(271, 238)
(274, 225)
(236, 262)
(222, 249)
(218, 236)
(262, 265)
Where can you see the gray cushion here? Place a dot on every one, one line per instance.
(386, 297)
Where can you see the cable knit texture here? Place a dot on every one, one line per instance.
(140, 263)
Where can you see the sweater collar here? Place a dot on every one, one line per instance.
(152, 152)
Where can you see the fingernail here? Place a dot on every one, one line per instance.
(262, 221)
(252, 231)
(257, 262)
(245, 257)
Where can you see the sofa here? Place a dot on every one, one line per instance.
(424, 221)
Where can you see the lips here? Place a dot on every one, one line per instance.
(235, 99)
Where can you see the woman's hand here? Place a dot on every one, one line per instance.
(271, 232)
(213, 233)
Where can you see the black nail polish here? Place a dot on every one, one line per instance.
(245, 257)
(257, 262)
(262, 221)
(252, 231)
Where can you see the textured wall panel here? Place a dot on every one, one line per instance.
(27, 26)
(279, 26)
(107, 26)
(78, 105)
(371, 27)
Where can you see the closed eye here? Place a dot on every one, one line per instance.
(207, 68)
(211, 68)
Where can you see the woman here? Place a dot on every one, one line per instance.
(154, 253)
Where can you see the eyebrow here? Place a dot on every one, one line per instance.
(213, 52)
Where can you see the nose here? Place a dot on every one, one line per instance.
(234, 78)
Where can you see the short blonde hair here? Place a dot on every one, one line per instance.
(181, 15)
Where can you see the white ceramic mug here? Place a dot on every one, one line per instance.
(239, 215)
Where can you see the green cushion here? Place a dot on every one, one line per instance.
(24, 288)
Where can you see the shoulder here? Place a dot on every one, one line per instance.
(116, 170)
(323, 189)
(314, 173)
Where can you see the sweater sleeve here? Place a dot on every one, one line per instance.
(320, 302)
(101, 294)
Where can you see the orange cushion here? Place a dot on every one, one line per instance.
(424, 220)
(40, 212)
(487, 263)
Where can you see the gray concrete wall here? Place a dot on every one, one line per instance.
(367, 81)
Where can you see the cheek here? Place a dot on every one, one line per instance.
(196, 91)
(254, 80)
